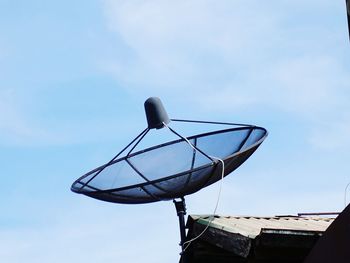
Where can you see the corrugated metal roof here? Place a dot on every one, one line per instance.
(251, 227)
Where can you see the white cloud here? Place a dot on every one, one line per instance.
(308, 85)
(22, 124)
(233, 54)
(332, 135)
(205, 47)
(19, 124)
(181, 45)
(14, 126)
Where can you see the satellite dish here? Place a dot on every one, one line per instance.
(174, 169)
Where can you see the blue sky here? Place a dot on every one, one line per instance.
(74, 76)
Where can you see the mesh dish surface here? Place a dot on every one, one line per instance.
(171, 170)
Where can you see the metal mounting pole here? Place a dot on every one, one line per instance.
(181, 212)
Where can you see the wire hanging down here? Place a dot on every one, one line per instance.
(188, 243)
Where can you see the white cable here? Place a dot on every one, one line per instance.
(218, 198)
(345, 194)
(216, 206)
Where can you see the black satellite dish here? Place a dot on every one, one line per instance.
(174, 169)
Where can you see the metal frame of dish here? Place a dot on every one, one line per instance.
(111, 195)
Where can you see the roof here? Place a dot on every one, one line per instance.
(263, 238)
(252, 226)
